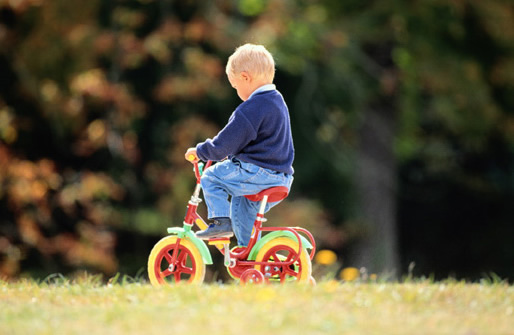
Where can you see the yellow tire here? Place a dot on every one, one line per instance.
(284, 249)
(188, 266)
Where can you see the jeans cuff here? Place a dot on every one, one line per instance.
(218, 215)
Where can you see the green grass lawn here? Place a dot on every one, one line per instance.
(331, 307)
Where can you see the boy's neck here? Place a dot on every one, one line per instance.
(262, 88)
(259, 83)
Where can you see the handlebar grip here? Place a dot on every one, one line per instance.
(191, 158)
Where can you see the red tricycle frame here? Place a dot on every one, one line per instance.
(280, 255)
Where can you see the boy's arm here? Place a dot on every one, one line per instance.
(230, 140)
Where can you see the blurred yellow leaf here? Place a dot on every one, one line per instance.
(325, 257)
(349, 274)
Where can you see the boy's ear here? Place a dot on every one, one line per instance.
(246, 76)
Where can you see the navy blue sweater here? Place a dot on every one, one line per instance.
(258, 132)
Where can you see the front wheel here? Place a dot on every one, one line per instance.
(283, 249)
(188, 265)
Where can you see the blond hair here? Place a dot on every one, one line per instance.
(254, 59)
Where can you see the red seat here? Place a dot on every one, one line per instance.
(276, 193)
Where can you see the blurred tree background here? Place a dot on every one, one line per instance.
(402, 115)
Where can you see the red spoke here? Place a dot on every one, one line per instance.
(187, 270)
(289, 257)
(183, 268)
(282, 275)
(291, 272)
(166, 273)
(291, 268)
(181, 263)
(168, 257)
(274, 256)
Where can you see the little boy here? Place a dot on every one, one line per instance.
(256, 140)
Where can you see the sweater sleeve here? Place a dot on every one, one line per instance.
(237, 133)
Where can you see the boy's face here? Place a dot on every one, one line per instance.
(242, 83)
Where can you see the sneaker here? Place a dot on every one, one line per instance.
(219, 228)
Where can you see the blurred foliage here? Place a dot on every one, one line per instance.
(99, 100)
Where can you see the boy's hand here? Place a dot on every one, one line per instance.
(191, 155)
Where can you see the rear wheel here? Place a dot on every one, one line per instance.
(188, 265)
(283, 249)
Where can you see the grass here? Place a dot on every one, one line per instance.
(61, 306)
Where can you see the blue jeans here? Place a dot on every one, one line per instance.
(236, 178)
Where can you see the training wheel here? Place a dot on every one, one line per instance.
(252, 276)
